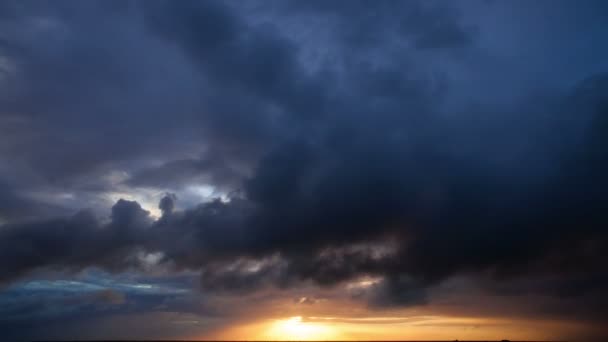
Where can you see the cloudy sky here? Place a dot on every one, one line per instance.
(304, 169)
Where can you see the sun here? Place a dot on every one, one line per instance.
(295, 329)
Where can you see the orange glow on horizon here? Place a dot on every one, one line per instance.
(298, 328)
(334, 318)
(294, 329)
(285, 329)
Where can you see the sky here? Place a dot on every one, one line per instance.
(304, 170)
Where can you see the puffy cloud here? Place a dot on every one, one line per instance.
(74, 242)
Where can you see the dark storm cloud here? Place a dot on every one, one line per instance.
(398, 291)
(257, 60)
(16, 207)
(452, 211)
(424, 25)
(74, 242)
(179, 173)
(365, 165)
(82, 86)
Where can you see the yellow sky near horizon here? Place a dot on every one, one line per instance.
(176, 326)
(298, 328)
(334, 315)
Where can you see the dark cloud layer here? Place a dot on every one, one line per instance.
(346, 139)
(447, 214)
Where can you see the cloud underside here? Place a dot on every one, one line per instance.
(340, 142)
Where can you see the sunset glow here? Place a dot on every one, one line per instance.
(294, 329)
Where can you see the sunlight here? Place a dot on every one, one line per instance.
(294, 328)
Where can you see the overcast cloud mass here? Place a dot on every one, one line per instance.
(163, 160)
